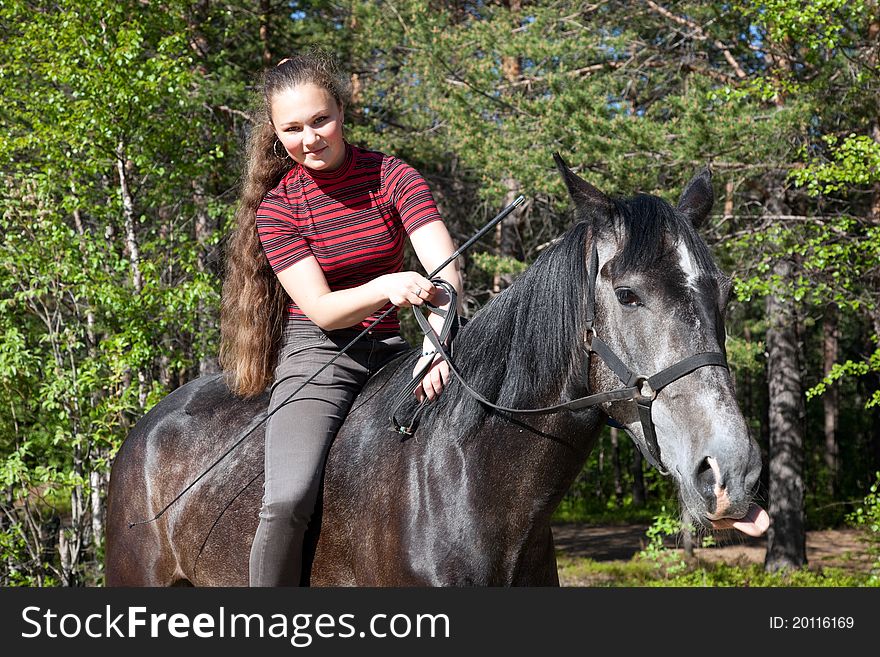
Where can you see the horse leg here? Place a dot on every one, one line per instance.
(537, 564)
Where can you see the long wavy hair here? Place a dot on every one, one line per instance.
(253, 305)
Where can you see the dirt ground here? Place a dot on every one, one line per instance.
(843, 548)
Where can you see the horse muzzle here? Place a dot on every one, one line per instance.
(754, 522)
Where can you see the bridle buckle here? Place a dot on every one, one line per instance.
(589, 334)
(645, 391)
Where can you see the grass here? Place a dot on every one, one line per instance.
(670, 569)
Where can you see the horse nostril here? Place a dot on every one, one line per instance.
(704, 465)
(705, 481)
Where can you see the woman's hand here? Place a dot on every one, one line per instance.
(434, 380)
(436, 377)
(406, 288)
(409, 288)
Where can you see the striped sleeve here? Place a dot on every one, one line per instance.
(410, 194)
(279, 234)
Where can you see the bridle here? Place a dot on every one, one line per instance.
(640, 388)
(646, 387)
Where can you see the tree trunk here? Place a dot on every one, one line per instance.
(131, 245)
(199, 43)
(506, 242)
(687, 536)
(506, 231)
(204, 229)
(90, 315)
(97, 495)
(874, 35)
(747, 393)
(875, 410)
(875, 196)
(638, 485)
(875, 433)
(831, 398)
(786, 538)
(265, 13)
(97, 489)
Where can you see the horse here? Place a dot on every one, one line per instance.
(628, 299)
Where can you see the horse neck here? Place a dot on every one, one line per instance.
(525, 350)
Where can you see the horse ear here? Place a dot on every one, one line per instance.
(697, 198)
(585, 196)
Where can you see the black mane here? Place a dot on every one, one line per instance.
(519, 349)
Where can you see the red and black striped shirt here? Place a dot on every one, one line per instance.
(353, 220)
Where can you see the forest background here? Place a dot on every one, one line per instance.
(122, 128)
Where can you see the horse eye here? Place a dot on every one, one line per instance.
(627, 297)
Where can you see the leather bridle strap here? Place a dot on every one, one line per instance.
(622, 394)
(448, 331)
(647, 386)
(439, 343)
(659, 381)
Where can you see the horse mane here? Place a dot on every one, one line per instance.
(519, 348)
(523, 348)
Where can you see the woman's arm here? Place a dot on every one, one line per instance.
(306, 284)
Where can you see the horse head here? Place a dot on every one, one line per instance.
(658, 301)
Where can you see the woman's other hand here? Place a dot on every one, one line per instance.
(435, 378)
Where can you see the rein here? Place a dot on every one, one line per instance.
(485, 229)
(640, 388)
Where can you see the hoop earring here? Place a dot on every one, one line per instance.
(275, 150)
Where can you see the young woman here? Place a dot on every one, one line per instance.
(316, 257)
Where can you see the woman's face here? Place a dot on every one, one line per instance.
(308, 122)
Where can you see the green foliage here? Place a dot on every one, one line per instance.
(854, 161)
(867, 516)
(849, 368)
(581, 508)
(14, 551)
(477, 97)
(665, 525)
(111, 141)
(816, 25)
(495, 264)
(831, 270)
(744, 355)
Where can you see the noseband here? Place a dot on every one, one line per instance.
(641, 389)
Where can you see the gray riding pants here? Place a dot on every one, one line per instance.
(298, 436)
